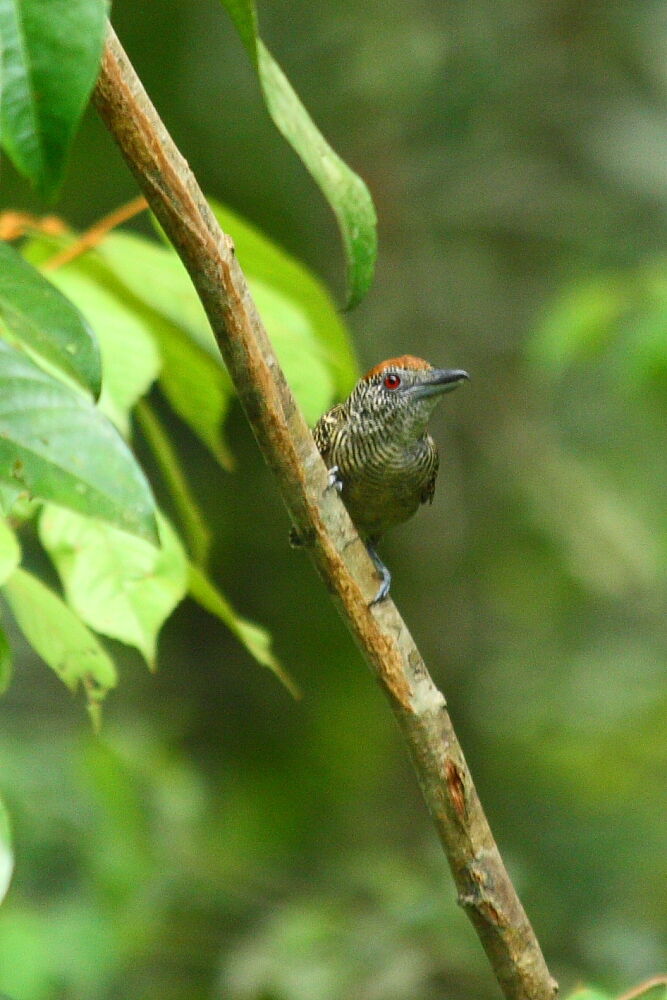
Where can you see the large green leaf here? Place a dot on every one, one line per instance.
(197, 387)
(38, 315)
(10, 553)
(137, 274)
(346, 193)
(60, 638)
(129, 353)
(119, 584)
(6, 852)
(256, 640)
(269, 264)
(50, 53)
(57, 446)
(192, 375)
(155, 275)
(308, 336)
(299, 353)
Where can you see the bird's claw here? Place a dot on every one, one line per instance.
(385, 577)
(335, 479)
(382, 593)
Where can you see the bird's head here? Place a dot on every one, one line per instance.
(403, 392)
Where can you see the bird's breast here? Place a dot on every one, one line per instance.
(383, 484)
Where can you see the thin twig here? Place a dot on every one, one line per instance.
(13, 225)
(484, 888)
(96, 233)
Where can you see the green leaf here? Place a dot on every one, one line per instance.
(6, 852)
(192, 376)
(130, 356)
(57, 446)
(118, 584)
(156, 276)
(346, 193)
(10, 553)
(149, 286)
(197, 387)
(43, 319)
(299, 353)
(266, 263)
(256, 640)
(16, 504)
(309, 338)
(50, 53)
(60, 638)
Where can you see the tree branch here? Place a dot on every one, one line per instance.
(484, 888)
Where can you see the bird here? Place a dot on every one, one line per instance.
(378, 452)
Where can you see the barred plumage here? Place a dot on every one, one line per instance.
(377, 449)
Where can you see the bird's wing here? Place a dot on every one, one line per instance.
(429, 490)
(325, 428)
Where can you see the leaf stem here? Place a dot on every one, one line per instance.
(195, 531)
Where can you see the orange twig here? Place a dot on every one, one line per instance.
(96, 233)
(13, 225)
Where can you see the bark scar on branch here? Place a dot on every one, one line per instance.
(339, 555)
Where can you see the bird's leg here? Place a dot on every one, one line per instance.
(336, 483)
(385, 575)
(335, 479)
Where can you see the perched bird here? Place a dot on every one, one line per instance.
(378, 452)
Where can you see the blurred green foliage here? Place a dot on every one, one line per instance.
(220, 840)
(140, 312)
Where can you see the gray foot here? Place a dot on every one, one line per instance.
(335, 479)
(385, 576)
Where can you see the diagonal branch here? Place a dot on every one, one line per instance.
(484, 888)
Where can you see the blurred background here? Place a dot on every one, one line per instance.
(221, 840)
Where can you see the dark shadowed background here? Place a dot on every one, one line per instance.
(221, 840)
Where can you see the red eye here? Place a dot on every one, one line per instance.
(392, 381)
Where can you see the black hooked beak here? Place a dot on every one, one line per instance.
(437, 381)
